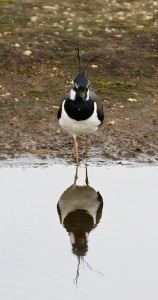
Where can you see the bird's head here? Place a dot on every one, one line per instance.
(80, 86)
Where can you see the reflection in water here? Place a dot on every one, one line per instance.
(80, 211)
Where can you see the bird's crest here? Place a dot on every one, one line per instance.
(79, 60)
(80, 68)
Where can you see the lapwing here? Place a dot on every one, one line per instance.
(81, 111)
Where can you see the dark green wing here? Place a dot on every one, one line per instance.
(96, 99)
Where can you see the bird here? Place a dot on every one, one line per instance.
(81, 111)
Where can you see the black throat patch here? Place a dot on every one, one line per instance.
(79, 110)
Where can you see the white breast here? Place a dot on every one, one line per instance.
(74, 127)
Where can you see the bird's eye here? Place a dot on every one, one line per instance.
(75, 86)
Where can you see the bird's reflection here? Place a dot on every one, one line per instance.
(80, 211)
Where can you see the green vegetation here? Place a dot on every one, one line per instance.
(116, 84)
(9, 1)
(150, 56)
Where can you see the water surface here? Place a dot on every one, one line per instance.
(37, 256)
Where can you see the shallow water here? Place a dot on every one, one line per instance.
(36, 257)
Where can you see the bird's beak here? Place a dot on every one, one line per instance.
(82, 94)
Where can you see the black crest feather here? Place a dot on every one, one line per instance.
(79, 60)
(82, 70)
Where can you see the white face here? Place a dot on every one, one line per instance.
(76, 87)
(73, 94)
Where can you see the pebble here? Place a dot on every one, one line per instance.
(4, 95)
(111, 123)
(90, 32)
(120, 13)
(132, 100)
(48, 7)
(107, 30)
(99, 21)
(66, 13)
(94, 66)
(34, 18)
(27, 52)
(121, 18)
(81, 28)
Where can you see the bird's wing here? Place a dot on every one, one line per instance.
(60, 106)
(65, 97)
(96, 99)
(59, 111)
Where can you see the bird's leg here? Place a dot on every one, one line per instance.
(86, 145)
(86, 180)
(76, 175)
(76, 147)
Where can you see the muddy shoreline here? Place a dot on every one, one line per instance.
(38, 63)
